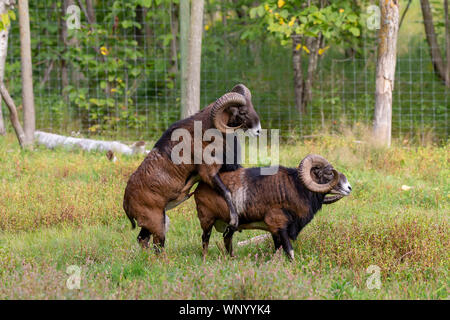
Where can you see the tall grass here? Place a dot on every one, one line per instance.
(60, 208)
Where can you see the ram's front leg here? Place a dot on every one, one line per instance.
(286, 244)
(228, 241)
(234, 218)
(210, 175)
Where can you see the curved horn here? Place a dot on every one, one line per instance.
(304, 171)
(225, 101)
(332, 199)
(240, 88)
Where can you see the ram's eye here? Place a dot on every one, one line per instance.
(328, 174)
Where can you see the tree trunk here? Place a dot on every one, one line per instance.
(404, 14)
(23, 140)
(255, 49)
(2, 122)
(173, 43)
(314, 45)
(194, 58)
(90, 12)
(298, 73)
(139, 32)
(3, 52)
(65, 42)
(184, 49)
(147, 31)
(27, 75)
(435, 52)
(224, 12)
(447, 43)
(385, 71)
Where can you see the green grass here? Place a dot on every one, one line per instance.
(60, 208)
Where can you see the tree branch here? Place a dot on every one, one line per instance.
(13, 115)
(404, 14)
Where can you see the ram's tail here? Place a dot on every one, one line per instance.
(133, 223)
(125, 207)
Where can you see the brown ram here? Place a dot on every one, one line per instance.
(159, 184)
(282, 203)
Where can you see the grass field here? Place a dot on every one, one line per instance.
(61, 208)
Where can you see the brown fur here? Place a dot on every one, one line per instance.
(158, 182)
(267, 199)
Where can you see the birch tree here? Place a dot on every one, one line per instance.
(385, 71)
(29, 120)
(4, 32)
(184, 48)
(6, 7)
(67, 42)
(194, 58)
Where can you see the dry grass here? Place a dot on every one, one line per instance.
(61, 208)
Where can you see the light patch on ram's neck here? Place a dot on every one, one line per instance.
(239, 196)
(256, 130)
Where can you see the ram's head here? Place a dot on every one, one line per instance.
(235, 110)
(318, 175)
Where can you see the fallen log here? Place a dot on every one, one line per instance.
(254, 240)
(51, 141)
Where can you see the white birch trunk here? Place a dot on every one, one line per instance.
(51, 141)
(4, 7)
(184, 49)
(194, 58)
(385, 71)
(29, 121)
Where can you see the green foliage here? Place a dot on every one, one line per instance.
(337, 22)
(6, 18)
(109, 61)
(110, 68)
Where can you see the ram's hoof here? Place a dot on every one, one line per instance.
(144, 243)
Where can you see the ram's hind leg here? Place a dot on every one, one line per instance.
(228, 241)
(276, 241)
(206, 222)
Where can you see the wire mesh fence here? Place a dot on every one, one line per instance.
(120, 77)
